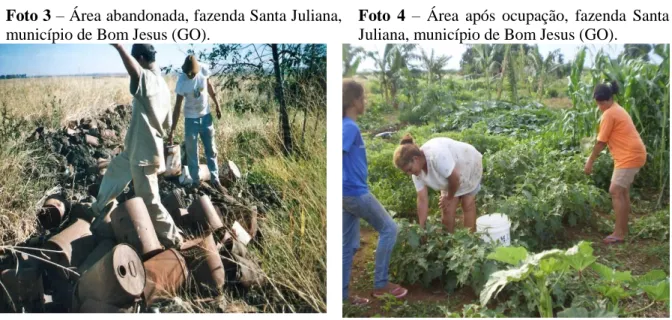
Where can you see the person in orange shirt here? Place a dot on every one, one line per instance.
(618, 132)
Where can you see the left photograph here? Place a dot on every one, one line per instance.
(163, 178)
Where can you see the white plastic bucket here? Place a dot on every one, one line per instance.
(494, 228)
(173, 164)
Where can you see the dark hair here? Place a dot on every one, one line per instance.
(190, 66)
(605, 91)
(406, 139)
(144, 50)
(351, 92)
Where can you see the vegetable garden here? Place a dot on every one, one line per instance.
(534, 120)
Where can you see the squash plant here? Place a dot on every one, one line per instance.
(538, 271)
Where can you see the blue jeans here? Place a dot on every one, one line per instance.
(193, 127)
(368, 208)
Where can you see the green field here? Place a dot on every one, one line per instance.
(533, 119)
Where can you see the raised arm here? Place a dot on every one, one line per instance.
(132, 66)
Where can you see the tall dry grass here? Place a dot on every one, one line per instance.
(294, 242)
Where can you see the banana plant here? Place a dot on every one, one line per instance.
(434, 65)
(352, 58)
(485, 63)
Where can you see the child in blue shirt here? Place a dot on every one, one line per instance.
(358, 202)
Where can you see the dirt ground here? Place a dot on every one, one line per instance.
(361, 284)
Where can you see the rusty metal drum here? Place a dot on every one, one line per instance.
(52, 212)
(95, 306)
(103, 247)
(49, 216)
(166, 274)
(117, 279)
(203, 216)
(24, 287)
(206, 265)
(75, 242)
(132, 225)
(173, 202)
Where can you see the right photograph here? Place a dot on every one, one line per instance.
(506, 180)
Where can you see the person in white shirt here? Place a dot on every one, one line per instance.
(454, 167)
(190, 88)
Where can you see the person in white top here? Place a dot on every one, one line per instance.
(190, 88)
(454, 167)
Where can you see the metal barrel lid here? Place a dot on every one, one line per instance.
(118, 278)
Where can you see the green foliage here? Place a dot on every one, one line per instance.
(533, 172)
(539, 272)
(454, 259)
(435, 102)
(474, 311)
(500, 118)
(655, 225)
(11, 126)
(584, 313)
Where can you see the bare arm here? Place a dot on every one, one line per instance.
(176, 113)
(597, 149)
(423, 206)
(211, 91)
(599, 146)
(176, 117)
(453, 183)
(132, 66)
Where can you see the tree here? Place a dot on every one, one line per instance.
(468, 66)
(637, 51)
(288, 72)
(543, 67)
(352, 57)
(389, 64)
(434, 65)
(279, 94)
(508, 68)
(484, 62)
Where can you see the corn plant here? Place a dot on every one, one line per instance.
(644, 95)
